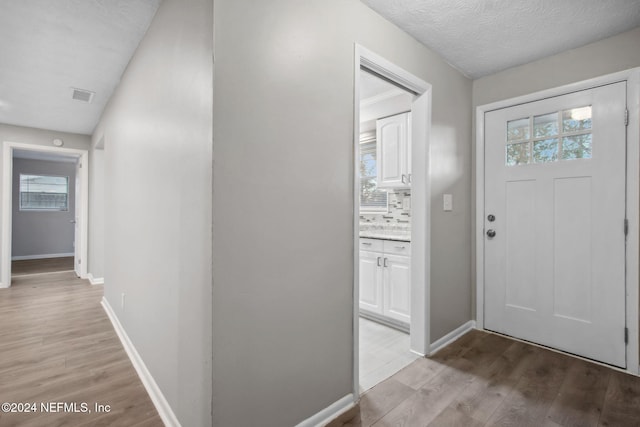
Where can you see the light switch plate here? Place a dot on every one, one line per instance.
(447, 202)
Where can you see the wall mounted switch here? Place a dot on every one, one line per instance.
(447, 202)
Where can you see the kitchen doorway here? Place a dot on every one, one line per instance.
(391, 286)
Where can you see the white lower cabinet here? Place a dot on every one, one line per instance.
(396, 286)
(370, 282)
(385, 278)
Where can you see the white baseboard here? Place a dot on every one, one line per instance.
(329, 413)
(160, 402)
(3, 286)
(95, 280)
(451, 336)
(43, 256)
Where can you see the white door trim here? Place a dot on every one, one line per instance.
(7, 178)
(420, 196)
(632, 77)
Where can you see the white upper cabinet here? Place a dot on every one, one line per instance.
(393, 146)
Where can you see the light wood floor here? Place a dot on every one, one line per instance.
(39, 266)
(57, 345)
(488, 380)
(383, 352)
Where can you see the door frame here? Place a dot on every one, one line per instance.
(7, 214)
(632, 257)
(420, 197)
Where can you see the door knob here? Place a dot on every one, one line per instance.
(491, 233)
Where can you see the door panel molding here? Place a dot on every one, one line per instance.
(632, 78)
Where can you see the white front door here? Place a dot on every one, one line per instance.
(554, 246)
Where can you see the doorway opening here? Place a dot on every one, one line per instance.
(44, 211)
(391, 239)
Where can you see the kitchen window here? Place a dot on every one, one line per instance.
(44, 193)
(371, 198)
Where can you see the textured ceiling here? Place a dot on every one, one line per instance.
(481, 37)
(49, 47)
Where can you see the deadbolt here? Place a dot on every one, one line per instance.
(491, 233)
(491, 218)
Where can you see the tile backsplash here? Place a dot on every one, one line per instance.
(396, 215)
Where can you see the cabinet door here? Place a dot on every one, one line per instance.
(397, 287)
(371, 281)
(391, 151)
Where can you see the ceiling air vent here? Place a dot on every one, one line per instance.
(82, 95)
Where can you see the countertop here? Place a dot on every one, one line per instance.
(381, 236)
(386, 231)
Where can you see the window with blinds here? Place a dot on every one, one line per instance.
(44, 193)
(371, 198)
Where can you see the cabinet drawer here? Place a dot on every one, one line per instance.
(371, 245)
(397, 248)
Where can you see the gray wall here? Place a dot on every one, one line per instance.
(42, 137)
(42, 233)
(283, 114)
(607, 56)
(157, 131)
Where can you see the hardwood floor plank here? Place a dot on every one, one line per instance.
(528, 402)
(58, 345)
(436, 395)
(451, 417)
(375, 403)
(486, 379)
(622, 401)
(581, 397)
(39, 266)
(419, 372)
(483, 396)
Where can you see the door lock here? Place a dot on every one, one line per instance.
(491, 234)
(491, 218)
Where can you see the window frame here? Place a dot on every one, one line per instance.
(21, 208)
(367, 145)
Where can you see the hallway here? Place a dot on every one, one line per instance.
(57, 346)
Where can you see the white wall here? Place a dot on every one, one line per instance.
(607, 56)
(283, 142)
(157, 131)
(42, 137)
(96, 213)
(42, 233)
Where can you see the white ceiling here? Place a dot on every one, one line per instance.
(51, 46)
(481, 37)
